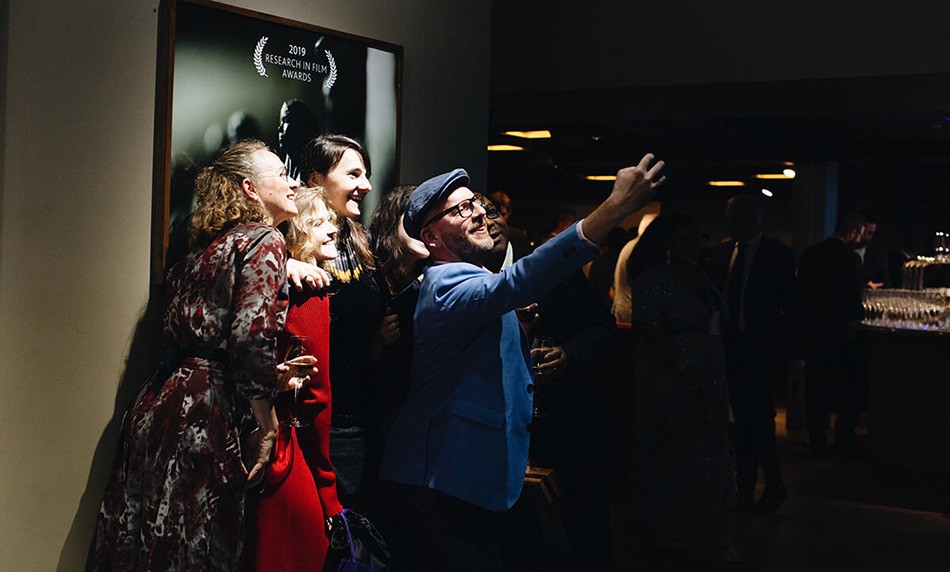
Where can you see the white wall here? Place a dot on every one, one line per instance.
(75, 198)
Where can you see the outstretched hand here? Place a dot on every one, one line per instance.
(634, 188)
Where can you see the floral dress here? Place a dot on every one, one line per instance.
(175, 498)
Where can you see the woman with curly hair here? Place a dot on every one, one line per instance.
(175, 499)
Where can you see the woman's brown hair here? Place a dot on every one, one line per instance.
(394, 269)
(322, 155)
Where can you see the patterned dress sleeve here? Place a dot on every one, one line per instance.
(260, 307)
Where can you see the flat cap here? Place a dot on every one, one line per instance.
(428, 195)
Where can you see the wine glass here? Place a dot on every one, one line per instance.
(537, 358)
(332, 288)
(297, 347)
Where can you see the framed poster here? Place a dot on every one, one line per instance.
(226, 74)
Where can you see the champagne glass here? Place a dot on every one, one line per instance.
(297, 347)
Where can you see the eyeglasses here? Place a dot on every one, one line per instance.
(282, 173)
(491, 208)
(466, 208)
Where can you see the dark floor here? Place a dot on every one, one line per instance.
(844, 513)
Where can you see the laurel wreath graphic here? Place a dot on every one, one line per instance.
(258, 52)
(331, 77)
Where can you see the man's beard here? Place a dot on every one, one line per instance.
(467, 250)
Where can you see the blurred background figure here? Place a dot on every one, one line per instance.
(298, 125)
(682, 492)
(831, 286)
(876, 272)
(621, 394)
(757, 278)
(621, 306)
(569, 431)
(241, 126)
(563, 218)
(601, 271)
(517, 237)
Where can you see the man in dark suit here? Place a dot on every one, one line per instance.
(832, 283)
(757, 277)
(569, 432)
(873, 258)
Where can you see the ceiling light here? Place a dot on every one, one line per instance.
(773, 176)
(539, 134)
(767, 192)
(725, 184)
(790, 173)
(505, 148)
(601, 177)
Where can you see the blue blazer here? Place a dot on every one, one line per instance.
(464, 427)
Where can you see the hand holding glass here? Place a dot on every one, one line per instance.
(296, 370)
(546, 357)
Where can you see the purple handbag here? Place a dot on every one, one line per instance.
(362, 546)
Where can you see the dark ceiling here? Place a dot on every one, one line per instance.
(890, 138)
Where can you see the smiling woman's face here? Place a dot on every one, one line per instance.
(346, 184)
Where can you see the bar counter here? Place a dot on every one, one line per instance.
(909, 398)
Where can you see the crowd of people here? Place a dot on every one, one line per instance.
(234, 455)
(318, 373)
(720, 330)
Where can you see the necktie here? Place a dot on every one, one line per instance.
(734, 287)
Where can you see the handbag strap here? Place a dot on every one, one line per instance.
(349, 536)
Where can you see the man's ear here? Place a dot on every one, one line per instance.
(428, 237)
(248, 187)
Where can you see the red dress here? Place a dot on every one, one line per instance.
(300, 490)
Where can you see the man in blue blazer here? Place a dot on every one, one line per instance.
(459, 446)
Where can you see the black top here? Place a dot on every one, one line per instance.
(355, 314)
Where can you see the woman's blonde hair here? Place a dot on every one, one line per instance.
(219, 193)
(300, 240)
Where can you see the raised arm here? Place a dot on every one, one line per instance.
(633, 189)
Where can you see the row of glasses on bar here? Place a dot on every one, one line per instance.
(908, 309)
(917, 274)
